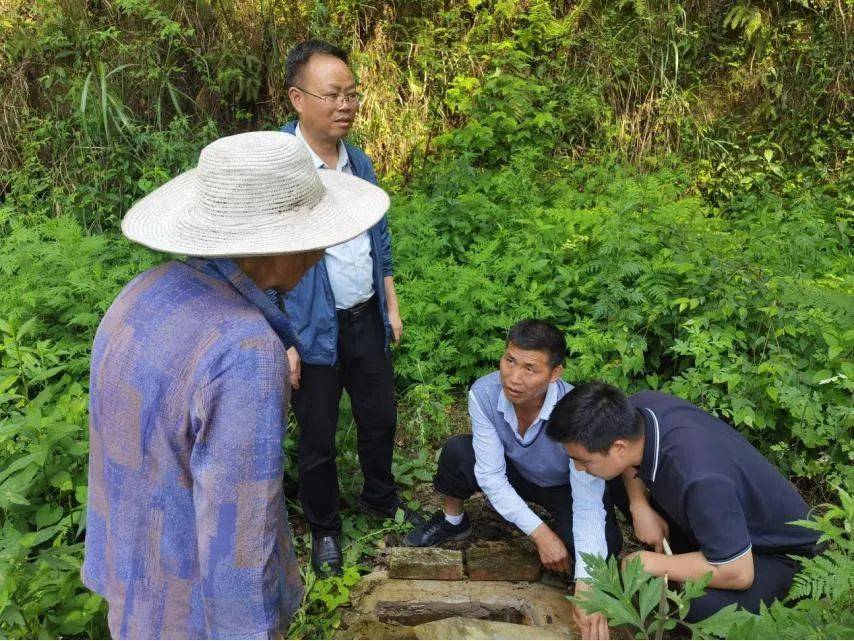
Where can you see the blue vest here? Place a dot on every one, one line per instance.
(543, 461)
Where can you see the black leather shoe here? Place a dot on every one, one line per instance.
(326, 558)
(409, 516)
(437, 531)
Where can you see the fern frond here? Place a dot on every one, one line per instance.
(829, 575)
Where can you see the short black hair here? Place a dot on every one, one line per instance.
(594, 415)
(299, 56)
(537, 334)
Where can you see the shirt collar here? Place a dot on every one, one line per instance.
(227, 270)
(509, 413)
(343, 158)
(651, 446)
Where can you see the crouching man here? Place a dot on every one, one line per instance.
(508, 457)
(724, 508)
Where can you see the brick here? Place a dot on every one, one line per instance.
(425, 563)
(503, 562)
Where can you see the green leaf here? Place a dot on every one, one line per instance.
(616, 610)
(17, 465)
(695, 588)
(650, 593)
(24, 329)
(81, 493)
(10, 497)
(723, 622)
(633, 577)
(48, 515)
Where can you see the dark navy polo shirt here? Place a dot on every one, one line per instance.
(715, 485)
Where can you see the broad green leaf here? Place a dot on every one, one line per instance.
(9, 497)
(48, 514)
(650, 594)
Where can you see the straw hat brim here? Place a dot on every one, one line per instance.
(169, 220)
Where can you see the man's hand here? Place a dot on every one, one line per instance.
(592, 626)
(295, 364)
(393, 309)
(551, 549)
(396, 323)
(650, 527)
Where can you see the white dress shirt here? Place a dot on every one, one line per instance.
(588, 510)
(349, 264)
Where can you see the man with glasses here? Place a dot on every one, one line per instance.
(345, 313)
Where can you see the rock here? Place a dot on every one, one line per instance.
(369, 629)
(462, 628)
(410, 613)
(503, 562)
(425, 563)
(555, 579)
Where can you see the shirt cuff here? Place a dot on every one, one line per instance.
(731, 558)
(527, 521)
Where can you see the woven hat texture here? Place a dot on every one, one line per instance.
(254, 194)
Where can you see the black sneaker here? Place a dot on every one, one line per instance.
(326, 558)
(437, 531)
(409, 516)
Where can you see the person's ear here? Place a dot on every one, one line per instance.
(557, 372)
(296, 98)
(619, 448)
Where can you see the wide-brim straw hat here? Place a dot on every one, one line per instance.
(254, 194)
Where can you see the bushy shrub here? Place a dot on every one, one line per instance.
(748, 315)
(58, 282)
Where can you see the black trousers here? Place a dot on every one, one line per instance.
(455, 477)
(772, 577)
(365, 370)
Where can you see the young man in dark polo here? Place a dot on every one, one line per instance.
(722, 506)
(508, 457)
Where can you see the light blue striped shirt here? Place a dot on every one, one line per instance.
(588, 510)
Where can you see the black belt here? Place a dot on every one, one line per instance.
(357, 310)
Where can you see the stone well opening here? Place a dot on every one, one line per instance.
(387, 608)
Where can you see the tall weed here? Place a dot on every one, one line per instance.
(749, 315)
(58, 282)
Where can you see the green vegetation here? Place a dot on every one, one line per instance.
(669, 181)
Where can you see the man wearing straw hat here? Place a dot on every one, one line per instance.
(345, 312)
(187, 532)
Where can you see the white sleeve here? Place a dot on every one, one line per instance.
(491, 472)
(588, 517)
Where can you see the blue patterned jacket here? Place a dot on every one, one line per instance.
(187, 532)
(311, 305)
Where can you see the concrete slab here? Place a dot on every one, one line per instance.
(462, 628)
(425, 563)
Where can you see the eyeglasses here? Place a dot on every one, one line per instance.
(339, 100)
